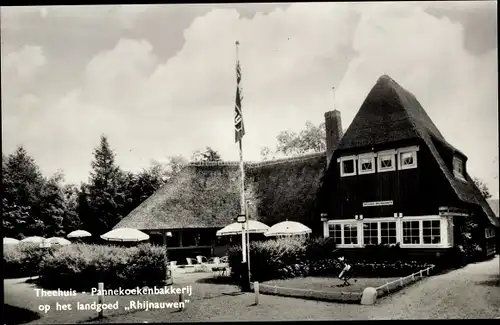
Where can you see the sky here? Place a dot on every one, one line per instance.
(159, 80)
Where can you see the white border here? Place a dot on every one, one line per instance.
(348, 158)
(370, 156)
(400, 161)
(382, 154)
(444, 230)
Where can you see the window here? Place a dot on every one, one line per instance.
(370, 233)
(335, 232)
(458, 168)
(366, 164)
(347, 166)
(411, 232)
(350, 234)
(386, 161)
(388, 233)
(489, 232)
(408, 160)
(431, 231)
(375, 233)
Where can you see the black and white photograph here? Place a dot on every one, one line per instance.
(222, 162)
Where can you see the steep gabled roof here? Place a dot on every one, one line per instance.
(207, 194)
(390, 113)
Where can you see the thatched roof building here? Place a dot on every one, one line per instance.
(314, 190)
(207, 194)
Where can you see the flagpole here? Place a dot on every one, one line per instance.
(242, 171)
(239, 133)
(242, 205)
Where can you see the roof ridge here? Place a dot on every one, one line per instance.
(255, 163)
(288, 159)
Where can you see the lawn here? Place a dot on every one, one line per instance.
(21, 293)
(329, 284)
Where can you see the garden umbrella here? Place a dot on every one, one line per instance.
(125, 235)
(79, 234)
(10, 241)
(33, 239)
(58, 241)
(254, 227)
(288, 228)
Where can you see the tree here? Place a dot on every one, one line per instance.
(22, 183)
(72, 220)
(483, 188)
(105, 197)
(53, 206)
(208, 155)
(291, 144)
(171, 168)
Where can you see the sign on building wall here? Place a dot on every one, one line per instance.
(377, 203)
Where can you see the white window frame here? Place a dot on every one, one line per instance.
(348, 158)
(382, 154)
(378, 231)
(456, 173)
(413, 150)
(378, 221)
(489, 232)
(343, 222)
(370, 156)
(444, 230)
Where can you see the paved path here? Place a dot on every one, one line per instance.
(471, 292)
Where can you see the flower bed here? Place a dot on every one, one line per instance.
(290, 258)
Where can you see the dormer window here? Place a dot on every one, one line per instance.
(348, 166)
(458, 168)
(386, 161)
(366, 163)
(407, 158)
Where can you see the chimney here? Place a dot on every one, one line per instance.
(333, 128)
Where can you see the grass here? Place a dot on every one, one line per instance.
(16, 315)
(329, 284)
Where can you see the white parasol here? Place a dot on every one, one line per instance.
(125, 235)
(79, 234)
(58, 241)
(33, 240)
(288, 228)
(254, 227)
(10, 241)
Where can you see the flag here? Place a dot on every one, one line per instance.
(239, 128)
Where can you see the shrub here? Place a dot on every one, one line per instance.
(289, 258)
(281, 258)
(82, 266)
(23, 259)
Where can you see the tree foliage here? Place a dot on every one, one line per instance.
(105, 191)
(291, 144)
(36, 205)
(483, 188)
(33, 204)
(208, 155)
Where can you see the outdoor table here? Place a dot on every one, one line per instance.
(220, 269)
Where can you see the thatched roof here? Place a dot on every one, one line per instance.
(207, 194)
(391, 114)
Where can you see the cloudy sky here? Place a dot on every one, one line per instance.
(159, 80)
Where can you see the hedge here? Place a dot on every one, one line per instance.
(23, 259)
(82, 266)
(289, 258)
